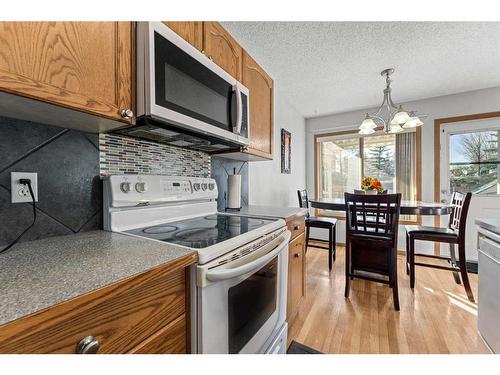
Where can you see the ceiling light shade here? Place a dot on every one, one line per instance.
(400, 117)
(395, 128)
(366, 131)
(413, 122)
(368, 123)
(390, 116)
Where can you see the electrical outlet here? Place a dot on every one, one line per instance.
(20, 193)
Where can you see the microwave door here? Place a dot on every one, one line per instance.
(185, 86)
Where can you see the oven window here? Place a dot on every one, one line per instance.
(250, 305)
(184, 85)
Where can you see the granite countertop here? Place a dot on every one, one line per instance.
(272, 212)
(38, 274)
(492, 225)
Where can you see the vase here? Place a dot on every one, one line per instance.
(372, 192)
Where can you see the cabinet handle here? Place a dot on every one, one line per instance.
(127, 113)
(87, 345)
(296, 227)
(297, 255)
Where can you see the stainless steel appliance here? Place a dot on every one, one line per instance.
(239, 286)
(489, 286)
(184, 98)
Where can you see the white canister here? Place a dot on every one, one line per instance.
(234, 191)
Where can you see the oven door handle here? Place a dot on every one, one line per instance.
(239, 109)
(224, 274)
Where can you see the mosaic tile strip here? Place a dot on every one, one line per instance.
(121, 155)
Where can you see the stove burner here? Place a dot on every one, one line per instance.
(160, 229)
(200, 237)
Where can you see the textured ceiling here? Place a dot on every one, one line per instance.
(331, 67)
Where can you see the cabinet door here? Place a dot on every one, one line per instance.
(80, 65)
(191, 31)
(261, 88)
(296, 268)
(220, 47)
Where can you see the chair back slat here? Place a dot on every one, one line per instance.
(376, 215)
(460, 207)
(303, 200)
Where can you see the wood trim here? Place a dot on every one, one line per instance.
(418, 182)
(437, 151)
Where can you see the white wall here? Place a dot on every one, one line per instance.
(267, 185)
(467, 103)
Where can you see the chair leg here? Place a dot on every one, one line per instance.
(412, 262)
(347, 269)
(407, 265)
(395, 294)
(463, 271)
(330, 249)
(453, 257)
(334, 243)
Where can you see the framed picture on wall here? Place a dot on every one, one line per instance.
(286, 151)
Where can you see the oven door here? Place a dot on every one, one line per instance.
(242, 309)
(185, 88)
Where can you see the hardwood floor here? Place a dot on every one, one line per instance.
(435, 318)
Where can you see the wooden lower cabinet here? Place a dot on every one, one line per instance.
(146, 313)
(296, 266)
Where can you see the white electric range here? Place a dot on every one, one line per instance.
(239, 286)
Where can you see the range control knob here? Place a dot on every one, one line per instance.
(196, 186)
(125, 187)
(211, 186)
(204, 186)
(140, 187)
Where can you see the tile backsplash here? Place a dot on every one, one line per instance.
(69, 187)
(121, 154)
(70, 165)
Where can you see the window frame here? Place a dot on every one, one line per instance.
(418, 172)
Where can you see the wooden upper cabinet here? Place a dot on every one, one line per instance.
(191, 31)
(79, 65)
(261, 88)
(220, 47)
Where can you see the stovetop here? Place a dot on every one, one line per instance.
(201, 232)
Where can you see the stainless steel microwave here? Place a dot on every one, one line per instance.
(183, 98)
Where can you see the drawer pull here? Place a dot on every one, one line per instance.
(296, 227)
(297, 255)
(87, 345)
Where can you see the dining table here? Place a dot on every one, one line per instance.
(406, 208)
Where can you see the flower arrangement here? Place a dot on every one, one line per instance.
(371, 183)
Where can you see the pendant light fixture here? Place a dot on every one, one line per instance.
(396, 119)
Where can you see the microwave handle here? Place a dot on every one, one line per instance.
(224, 274)
(239, 109)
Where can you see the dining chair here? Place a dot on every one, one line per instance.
(328, 223)
(454, 235)
(371, 240)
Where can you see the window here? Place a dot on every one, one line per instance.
(344, 159)
(474, 162)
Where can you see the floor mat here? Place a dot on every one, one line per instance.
(298, 348)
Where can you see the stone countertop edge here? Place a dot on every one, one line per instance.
(271, 211)
(39, 274)
(491, 224)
